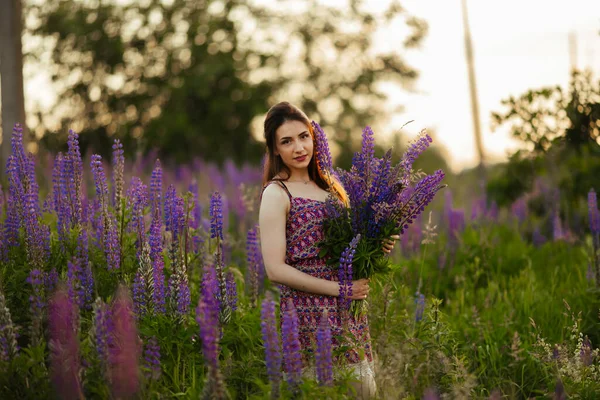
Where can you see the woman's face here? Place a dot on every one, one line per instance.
(293, 142)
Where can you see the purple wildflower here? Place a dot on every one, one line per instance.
(125, 353)
(419, 145)
(345, 273)
(519, 209)
(152, 359)
(216, 216)
(420, 306)
(118, 164)
(51, 281)
(253, 262)
(207, 315)
(76, 291)
(594, 216)
(156, 255)
(65, 361)
(174, 213)
(138, 198)
(231, 289)
(102, 332)
(110, 236)
(323, 155)
(272, 343)
(143, 283)
(156, 189)
(557, 230)
(36, 303)
(179, 287)
(323, 359)
(291, 346)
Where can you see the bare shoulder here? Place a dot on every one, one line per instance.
(274, 197)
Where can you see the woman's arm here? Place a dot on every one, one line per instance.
(272, 219)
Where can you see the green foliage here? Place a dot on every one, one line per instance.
(188, 78)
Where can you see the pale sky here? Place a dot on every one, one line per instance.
(518, 45)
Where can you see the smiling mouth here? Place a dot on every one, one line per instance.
(301, 158)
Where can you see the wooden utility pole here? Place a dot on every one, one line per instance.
(473, 89)
(11, 74)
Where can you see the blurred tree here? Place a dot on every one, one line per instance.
(561, 129)
(11, 71)
(188, 77)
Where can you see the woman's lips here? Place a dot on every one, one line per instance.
(300, 159)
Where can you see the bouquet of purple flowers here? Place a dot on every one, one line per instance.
(384, 199)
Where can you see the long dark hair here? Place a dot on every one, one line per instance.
(274, 165)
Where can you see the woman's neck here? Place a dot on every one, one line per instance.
(299, 176)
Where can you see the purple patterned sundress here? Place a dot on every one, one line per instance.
(304, 231)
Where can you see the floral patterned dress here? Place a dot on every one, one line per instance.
(304, 230)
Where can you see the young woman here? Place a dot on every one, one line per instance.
(291, 215)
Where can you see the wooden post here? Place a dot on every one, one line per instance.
(473, 90)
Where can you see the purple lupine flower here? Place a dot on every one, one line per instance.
(156, 255)
(179, 287)
(152, 359)
(291, 346)
(492, 212)
(207, 315)
(103, 332)
(36, 303)
(59, 192)
(118, 170)
(143, 283)
(323, 358)
(420, 306)
(272, 343)
(478, 208)
(156, 189)
(345, 273)
(231, 289)
(124, 354)
(594, 216)
(519, 209)
(420, 196)
(559, 391)
(557, 230)
(8, 333)
(418, 146)
(174, 212)
(65, 361)
(323, 155)
(456, 225)
(216, 216)
(75, 180)
(197, 213)
(138, 198)
(252, 264)
(76, 292)
(51, 281)
(110, 237)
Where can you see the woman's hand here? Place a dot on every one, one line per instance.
(360, 289)
(388, 244)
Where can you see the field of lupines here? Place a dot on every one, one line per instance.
(127, 280)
